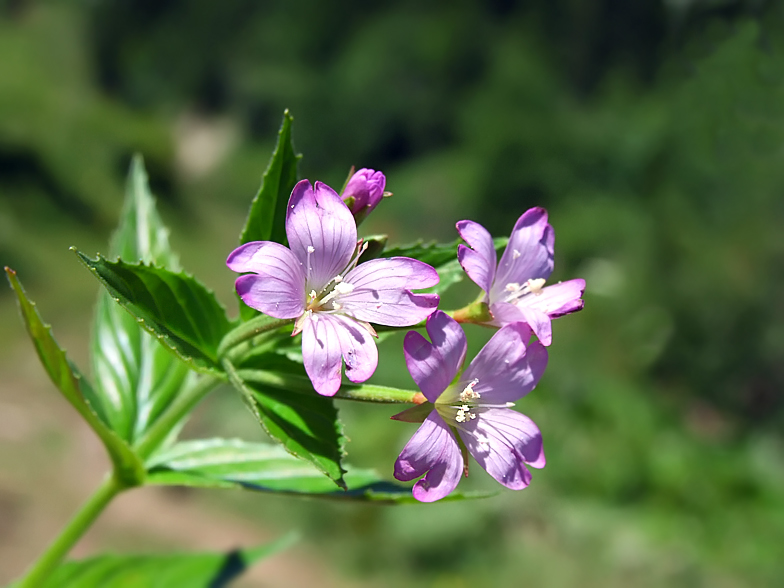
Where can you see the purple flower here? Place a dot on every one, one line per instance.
(317, 281)
(515, 290)
(363, 192)
(476, 405)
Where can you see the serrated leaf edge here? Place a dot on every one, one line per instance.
(163, 338)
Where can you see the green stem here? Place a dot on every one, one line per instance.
(248, 330)
(182, 405)
(361, 392)
(41, 570)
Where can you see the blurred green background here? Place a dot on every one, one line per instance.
(653, 132)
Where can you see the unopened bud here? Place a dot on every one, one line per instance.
(363, 191)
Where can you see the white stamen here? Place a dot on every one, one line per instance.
(515, 254)
(313, 295)
(464, 414)
(337, 279)
(340, 288)
(535, 286)
(311, 249)
(343, 287)
(532, 286)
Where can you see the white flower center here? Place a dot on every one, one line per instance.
(517, 291)
(457, 406)
(327, 299)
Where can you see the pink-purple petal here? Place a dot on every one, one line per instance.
(432, 449)
(278, 286)
(357, 347)
(272, 296)
(366, 187)
(505, 313)
(330, 339)
(321, 354)
(528, 255)
(556, 300)
(392, 273)
(507, 368)
(321, 232)
(479, 258)
(502, 441)
(381, 292)
(434, 365)
(518, 430)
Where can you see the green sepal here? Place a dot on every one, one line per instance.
(175, 307)
(415, 414)
(75, 388)
(476, 312)
(352, 170)
(375, 247)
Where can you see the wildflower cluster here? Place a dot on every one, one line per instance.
(162, 341)
(321, 281)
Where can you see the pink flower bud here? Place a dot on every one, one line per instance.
(363, 192)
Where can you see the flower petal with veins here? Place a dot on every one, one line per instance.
(475, 405)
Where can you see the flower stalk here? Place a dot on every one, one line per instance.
(43, 568)
(185, 402)
(248, 330)
(358, 392)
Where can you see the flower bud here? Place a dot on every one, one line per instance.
(363, 192)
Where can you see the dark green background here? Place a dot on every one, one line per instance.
(652, 131)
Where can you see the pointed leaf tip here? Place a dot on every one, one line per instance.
(135, 370)
(267, 215)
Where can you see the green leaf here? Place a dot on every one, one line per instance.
(449, 274)
(197, 570)
(75, 388)
(231, 463)
(267, 217)
(183, 314)
(141, 234)
(136, 377)
(306, 425)
(432, 253)
(443, 257)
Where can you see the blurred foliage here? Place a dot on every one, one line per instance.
(652, 131)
